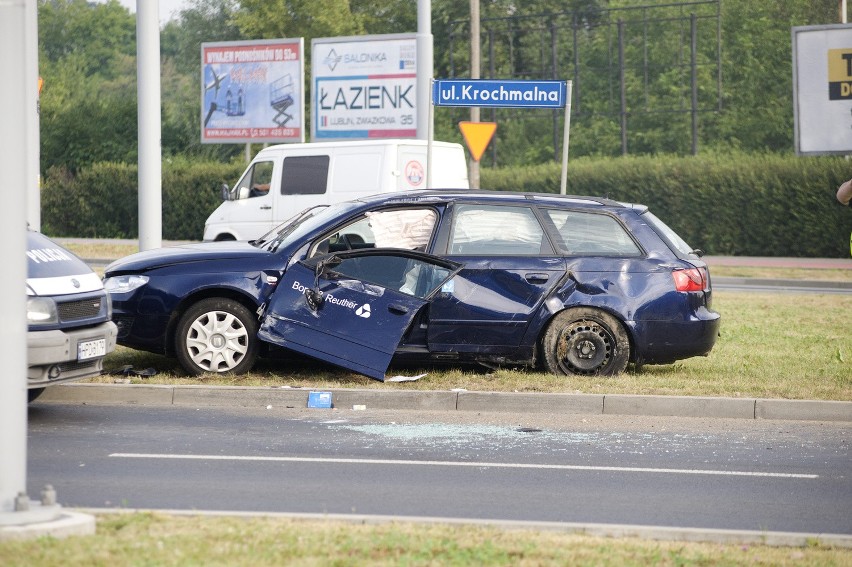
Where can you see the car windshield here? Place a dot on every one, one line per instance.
(299, 225)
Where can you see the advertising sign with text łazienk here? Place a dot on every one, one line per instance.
(364, 87)
(253, 91)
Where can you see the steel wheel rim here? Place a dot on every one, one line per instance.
(217, 341)
(584, 347)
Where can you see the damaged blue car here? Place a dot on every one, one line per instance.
(576, 285)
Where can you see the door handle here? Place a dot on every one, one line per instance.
(265, 207)
(536, 277)
(398, 309)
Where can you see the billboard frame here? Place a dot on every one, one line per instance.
(283, 119)
(817, 91)
(408, 72)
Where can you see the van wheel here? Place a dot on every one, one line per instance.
(217, 335)
(34, 393)
(585, 341)
(225, 238)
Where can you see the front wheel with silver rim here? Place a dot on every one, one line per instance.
(585, 341)
(217, 335)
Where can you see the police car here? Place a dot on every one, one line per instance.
(576, 285)
(68, 317)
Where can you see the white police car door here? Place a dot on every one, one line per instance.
(352, 308)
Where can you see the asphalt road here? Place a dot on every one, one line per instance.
(698, 473)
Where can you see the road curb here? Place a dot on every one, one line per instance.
(67, 523)
(462, 400)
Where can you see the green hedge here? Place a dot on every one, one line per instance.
(744, 205)
(102, 200)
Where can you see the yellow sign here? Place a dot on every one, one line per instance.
(839, 74)
(477, 135)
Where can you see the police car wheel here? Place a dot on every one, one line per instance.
(585, 341)
(217, 335)
(34, 393)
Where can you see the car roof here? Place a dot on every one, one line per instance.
(480, 195)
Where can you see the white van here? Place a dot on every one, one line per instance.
(287, 178)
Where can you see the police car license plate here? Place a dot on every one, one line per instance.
(91, 349)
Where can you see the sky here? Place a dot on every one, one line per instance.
(168, 8)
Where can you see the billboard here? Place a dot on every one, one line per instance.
(253, 91)
(364, 87)
(822, 89)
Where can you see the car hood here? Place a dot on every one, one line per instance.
(54, 270)
(184, 254)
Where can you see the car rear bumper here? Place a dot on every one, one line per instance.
(675, 340)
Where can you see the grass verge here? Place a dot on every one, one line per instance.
(157, 539)
(782, 345)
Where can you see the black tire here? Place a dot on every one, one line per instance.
(585, 341)
(217, 335)
(33, 394)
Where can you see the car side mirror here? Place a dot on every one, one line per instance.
(226, 192)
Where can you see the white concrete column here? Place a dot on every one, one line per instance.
(18, 99)
(150, 143)
(425, 66)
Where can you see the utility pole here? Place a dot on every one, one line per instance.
(473, 172)
(150, 144)
(425, 68)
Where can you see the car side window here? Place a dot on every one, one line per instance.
(407, 275)
(496, 231)
(409, 229)
(255, 182)
(592, 234)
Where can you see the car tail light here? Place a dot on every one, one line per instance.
(693, 279)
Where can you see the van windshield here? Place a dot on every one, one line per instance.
(295, 228)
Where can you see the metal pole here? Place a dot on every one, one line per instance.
(425, 68)
(430, 136)
(563, 187)
(32, 117)
(150, 147)
(18, 99)
(623, 87)
(554, 74)
(491, 73)
(694, 69)
(475, 58)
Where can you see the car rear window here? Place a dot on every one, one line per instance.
(670, 236)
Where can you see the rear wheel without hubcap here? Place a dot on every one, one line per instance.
(217, 335)
(585, 341)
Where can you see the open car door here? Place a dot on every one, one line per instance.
(352, 308)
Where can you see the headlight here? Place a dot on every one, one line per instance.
(41, 311)
(124, 284)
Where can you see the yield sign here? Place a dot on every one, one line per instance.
(477, 135)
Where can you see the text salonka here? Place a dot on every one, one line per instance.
(469, 93)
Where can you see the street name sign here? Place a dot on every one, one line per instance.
(499, 93)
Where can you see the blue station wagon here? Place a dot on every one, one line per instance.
(578, 285)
